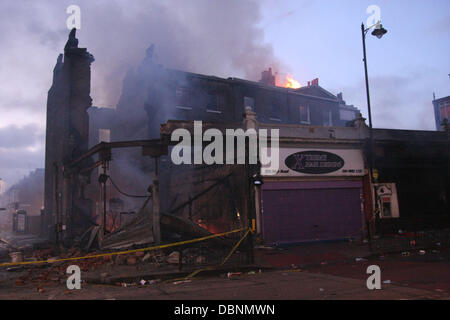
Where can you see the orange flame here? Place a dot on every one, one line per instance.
(289, 82)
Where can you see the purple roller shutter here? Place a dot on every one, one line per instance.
(308, 211)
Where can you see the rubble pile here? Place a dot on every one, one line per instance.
(46, 274)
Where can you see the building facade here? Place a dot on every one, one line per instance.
(441, 111)
(321, 191)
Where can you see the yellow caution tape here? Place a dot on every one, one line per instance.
(193, 274)
(174, 244)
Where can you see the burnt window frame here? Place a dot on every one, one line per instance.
(308, 113)
(219, 99)
(213, 96)
(327, 113)
(443, 110)
(185, 96)
(275, 110)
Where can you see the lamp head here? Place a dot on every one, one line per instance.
(379, 31)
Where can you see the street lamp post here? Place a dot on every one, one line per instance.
(379, 31)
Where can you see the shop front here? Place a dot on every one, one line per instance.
(316, 195)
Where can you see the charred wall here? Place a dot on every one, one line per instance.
(221, 208)
(67, 135)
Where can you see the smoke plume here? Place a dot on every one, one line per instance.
(206, 36)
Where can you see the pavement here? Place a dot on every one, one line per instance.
(313, 253)
(307, 271)
(424, 270)
(278, 285)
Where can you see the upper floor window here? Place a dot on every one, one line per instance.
(214, 102)
(326, 118)
(444, 110)
(275, 112)
(182, 98)
(249, 102)
(304, 114)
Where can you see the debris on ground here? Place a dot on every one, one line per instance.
(173, 258)
(360, 259)
(140, 254)
(16, 257)
(146, 257)
(154, 281)
(13, 269)
(125, 285)
(131, 260)
(265, 247)
(182, 281)
(120, 260)
(19, 282)
(200, 260)
(231, 275)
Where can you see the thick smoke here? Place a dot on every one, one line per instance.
(214, 37)
(210, 37)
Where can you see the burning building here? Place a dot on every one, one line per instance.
(125, 149)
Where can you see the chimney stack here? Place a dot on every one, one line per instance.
(267, 77)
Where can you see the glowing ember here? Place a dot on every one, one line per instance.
(289, 82)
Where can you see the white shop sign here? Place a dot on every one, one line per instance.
(318, 162)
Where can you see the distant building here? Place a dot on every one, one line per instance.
(28, 193)
(441, 110)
